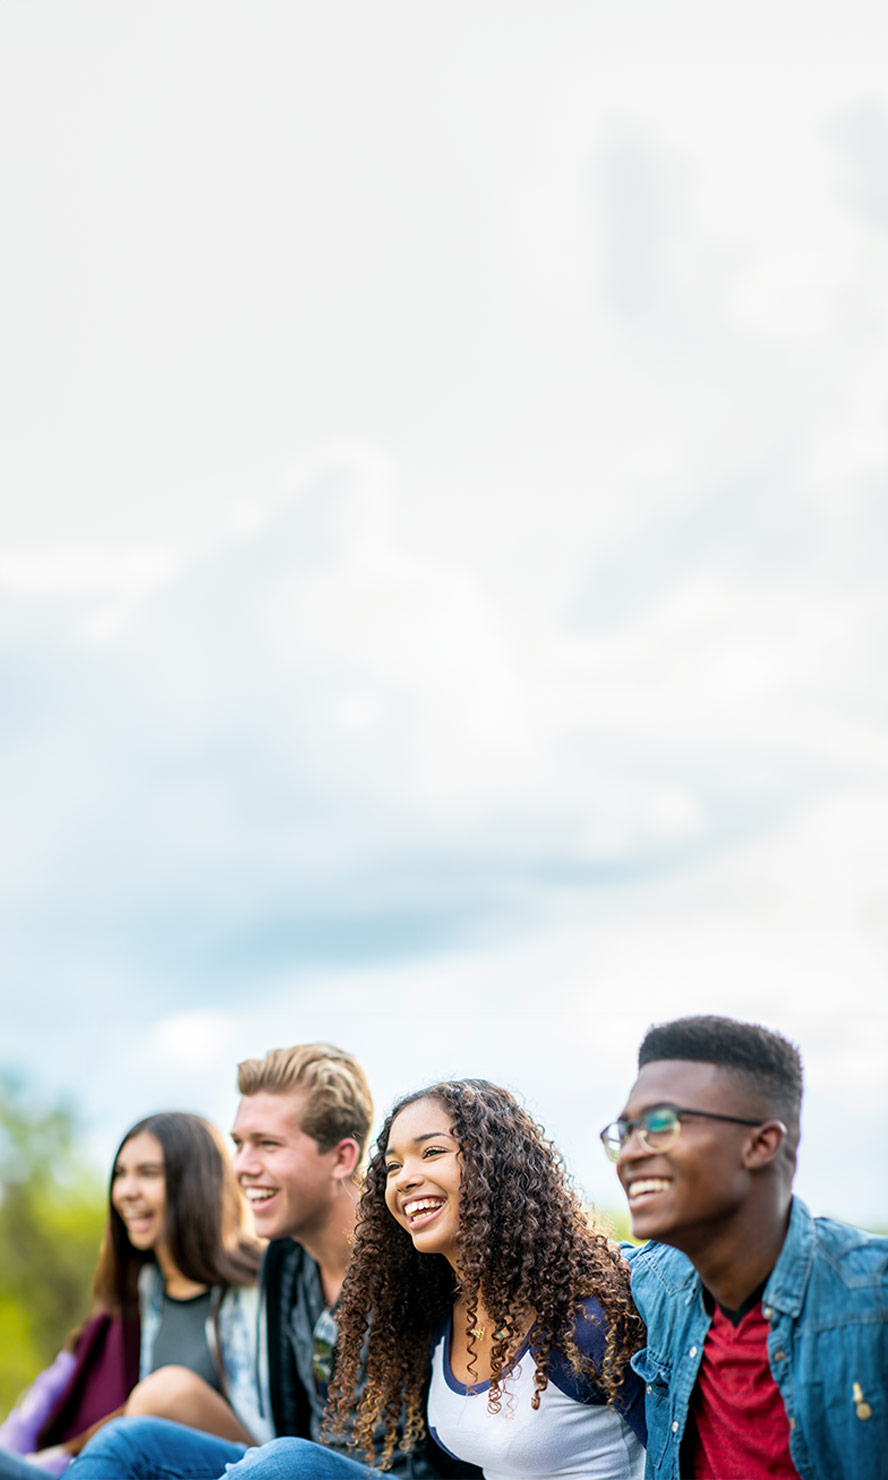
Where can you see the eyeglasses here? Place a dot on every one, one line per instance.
(657, 1128)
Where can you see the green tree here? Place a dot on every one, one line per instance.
(52, 1212)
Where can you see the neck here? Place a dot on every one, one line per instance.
(734, 1261)
(330, 1244)
(461, 1310)
(176, 1284)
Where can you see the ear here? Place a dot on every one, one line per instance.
(346, 1156)
(764, 1144)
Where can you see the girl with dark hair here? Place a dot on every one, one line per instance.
(473, 1252)
(480, 1309)
(173, 1329)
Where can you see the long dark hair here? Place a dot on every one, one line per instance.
(205, 1224)
(525, 1246)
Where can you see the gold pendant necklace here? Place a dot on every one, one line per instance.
(479, 1332)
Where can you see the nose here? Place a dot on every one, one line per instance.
(632, 1148)
(245, 1161)
(409, 1175)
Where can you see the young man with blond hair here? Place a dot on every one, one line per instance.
(300, 1134)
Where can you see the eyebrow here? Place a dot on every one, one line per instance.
(651, 1105)
(418, 1140)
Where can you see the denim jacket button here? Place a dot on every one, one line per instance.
(767, 1312)
(780, 1356)
(675, 1427)
(649, 1389)
(692, 1352)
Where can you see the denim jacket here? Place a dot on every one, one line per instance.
(231, 1337)
(827, 1304)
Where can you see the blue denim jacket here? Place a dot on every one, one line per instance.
(827, 1304)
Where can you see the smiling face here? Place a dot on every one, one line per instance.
(288, 1181)
(138, 1190)
(423, 1174)
(699, 1187)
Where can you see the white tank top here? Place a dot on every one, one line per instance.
(571, 1433)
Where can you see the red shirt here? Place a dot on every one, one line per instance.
(737, 1424)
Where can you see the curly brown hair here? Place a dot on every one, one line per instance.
(525, 1246)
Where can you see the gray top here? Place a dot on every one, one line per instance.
(182, 1337)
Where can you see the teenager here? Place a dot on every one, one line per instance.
(300, 1134)
(177, 1260)
(479, 1306)
(767, 1329)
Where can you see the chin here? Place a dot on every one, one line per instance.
(648, 1226)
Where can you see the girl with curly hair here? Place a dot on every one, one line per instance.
(479, 1309)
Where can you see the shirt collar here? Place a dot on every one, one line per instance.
(788, 1282)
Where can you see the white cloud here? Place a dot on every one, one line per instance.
(443, 559)
(194, 1040)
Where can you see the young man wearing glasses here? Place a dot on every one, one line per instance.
(767, 1348)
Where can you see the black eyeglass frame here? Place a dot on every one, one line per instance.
(614, 1136)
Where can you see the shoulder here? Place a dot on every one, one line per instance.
(824, 1259)
(658, 1274)
(831, 1283)
(590, 1330)
(590, 1335)
(847, 1244)
(849, 1256)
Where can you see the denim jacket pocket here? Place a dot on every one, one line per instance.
(657, 1378)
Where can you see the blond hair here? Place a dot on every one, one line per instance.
(338, 1102)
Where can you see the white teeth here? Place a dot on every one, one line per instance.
(422, 1205)
(258, 1194)
(649, 1184)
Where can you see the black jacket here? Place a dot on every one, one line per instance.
(290, 1404)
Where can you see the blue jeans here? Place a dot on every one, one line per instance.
(156, 1449)
(299, 1459)
(15, 1467)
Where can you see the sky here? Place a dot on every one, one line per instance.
(442, 550)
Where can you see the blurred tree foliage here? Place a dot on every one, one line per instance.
(52, 1213)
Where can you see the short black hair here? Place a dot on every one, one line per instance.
(767, 1060)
